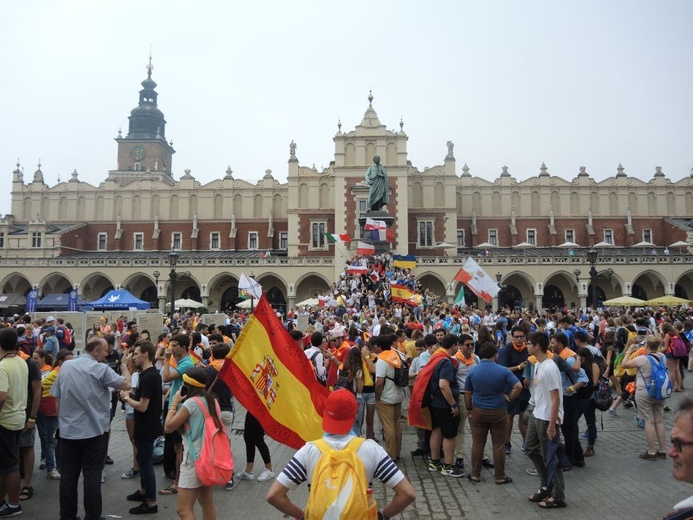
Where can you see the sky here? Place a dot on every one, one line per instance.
(570, 83)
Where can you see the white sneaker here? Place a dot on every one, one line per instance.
(103, 476)
(265, 475)
(246, 476)
(53, 475)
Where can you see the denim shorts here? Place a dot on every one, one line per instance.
(367, 398)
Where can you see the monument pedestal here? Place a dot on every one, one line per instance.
(381, 246)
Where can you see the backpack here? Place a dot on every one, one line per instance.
(214, 464)
(660, 386)
(601, 395)
(401, 378)
(618, 366)
(339, 485)
(62, 333)
(323, 380)
(677, 346)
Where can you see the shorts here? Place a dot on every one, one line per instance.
(9, 450)
(516, 406)
(188, 477)
(368, 398)
(648, 408)
(442, 418)
(27, 438)
(176, 437)
(130, 416)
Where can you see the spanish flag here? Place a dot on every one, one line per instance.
(274, 380)
(419, 414)
(400, 293)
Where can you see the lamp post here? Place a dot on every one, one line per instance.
(156, 275)
(172, 275)
(252, 299)
(592, 256)
(499, 277)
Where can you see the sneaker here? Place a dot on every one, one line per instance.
(136, 497)
(449, 470)
(53, 474)
(583, 436)
(265, 475)
(459, 463)
(486, 462)
(522, 448)
(613, 413)
(109, 460)
(508, 448)
(628, 404)
(7, 510)
(532, 472)
(639, 422)
(230, 485)
(247, 476)
(144, 509)
(43, 464)
(435, 465)
(103, 476)
(418, 452)
(131, 473)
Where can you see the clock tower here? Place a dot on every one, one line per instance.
(145, 149)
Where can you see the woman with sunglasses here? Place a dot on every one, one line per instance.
(185, 414)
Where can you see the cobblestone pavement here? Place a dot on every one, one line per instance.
(615, 484)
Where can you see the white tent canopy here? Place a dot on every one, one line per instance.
(186, 303)
(245, 304)
(308, 303)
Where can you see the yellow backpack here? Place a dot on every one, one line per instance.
(339, 486)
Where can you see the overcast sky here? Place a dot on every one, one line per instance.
(582, 83)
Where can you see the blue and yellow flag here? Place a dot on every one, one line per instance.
(404, 261)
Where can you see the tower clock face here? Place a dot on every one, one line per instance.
(138, 153)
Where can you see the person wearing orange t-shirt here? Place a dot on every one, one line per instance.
(339, 348)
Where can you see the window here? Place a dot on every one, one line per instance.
(138, 241)
(317, 235)
(647, 235)
(176, 239)
(214, 241)
(425, 233)
(493, 237)
(283, 240)
(102, 241)
(138, 167)
(532, 236)
(570, 235)
(36, 239)
(609, 236)
(252, 240)
(362, 205)
(2, 239)
(460, 238)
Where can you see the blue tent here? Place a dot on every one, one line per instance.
(118, 299)
(56, 302)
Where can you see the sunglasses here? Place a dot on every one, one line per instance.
(518, 337)
(678, 444)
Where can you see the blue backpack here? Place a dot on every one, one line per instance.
(660, 386)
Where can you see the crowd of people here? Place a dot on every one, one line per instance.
(491, 371)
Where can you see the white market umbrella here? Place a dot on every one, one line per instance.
(245, 304)
(644, 244)
(569, 244)
(485, 245)
(445, 245)
(310, 302)
(524, 245)
(603, 244)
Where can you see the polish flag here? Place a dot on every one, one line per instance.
(365, 249)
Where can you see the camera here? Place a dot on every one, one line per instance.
(183, 391)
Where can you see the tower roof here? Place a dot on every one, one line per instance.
(146, 120)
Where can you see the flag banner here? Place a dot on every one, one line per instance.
(72, 302)
(374, 224)
(274, 380)
(419, 414)
(322, 300)
(364, 249)
(400, 293)
(378, 235)
(32, 300)
(374, 276)
(341, 238)
(357, 269)
(459, 301)
(478, 281)
(248, 287)
(404, 261)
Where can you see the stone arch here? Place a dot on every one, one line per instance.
(257, 206)
(370, 153)
(556, 203)
(155, 207)
(81, 208)
(117, 207)
(518, 291)
(689, 202)
(324, 196)
(594, 203)
(62, 208)
(417, 195)
(173, 207)
(683, 285)
(458, 203)
(434, 282)
(55, 283)
(652, 283)
(136, 207)
(439, 195)
(142, 286)
(391, 154)
(651, 203)
(613, 204)
(45, 208)
(192, 206)
(277, 210)
(303, 194)
(15, 283)
(218, 206)
(515, 202)
(222, 291)
(535, 204)
(26, 214)
(100, 203)
(671, 203)
(574, 203)
(310, 285)
(350, 154)
(95, 285)
(496, 201)
(275, 287)
(633, 203)
(238, 205)
(565, 284)
(476, 203)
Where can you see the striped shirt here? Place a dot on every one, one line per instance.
(375, 459)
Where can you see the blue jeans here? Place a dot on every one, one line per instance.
(145, 454)
(46, 425)
(588, 409)
(359, 415)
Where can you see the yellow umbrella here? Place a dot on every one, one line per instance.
(624, 301)
(668, 301)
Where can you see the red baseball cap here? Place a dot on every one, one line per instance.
(340, 412)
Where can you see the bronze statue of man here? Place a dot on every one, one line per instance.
(376, 178)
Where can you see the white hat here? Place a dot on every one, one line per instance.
(50, 318)
(337, 331)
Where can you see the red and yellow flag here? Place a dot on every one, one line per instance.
(274, 380)
(400, 293)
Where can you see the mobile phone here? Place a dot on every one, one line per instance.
(183, 391)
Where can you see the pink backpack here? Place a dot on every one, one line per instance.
(214, 464)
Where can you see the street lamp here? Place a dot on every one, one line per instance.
(172, 262)
(592, 256)
(156, 275)
(252, 289)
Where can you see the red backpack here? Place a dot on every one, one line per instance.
(214, 464)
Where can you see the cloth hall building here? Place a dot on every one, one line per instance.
(532, 235)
